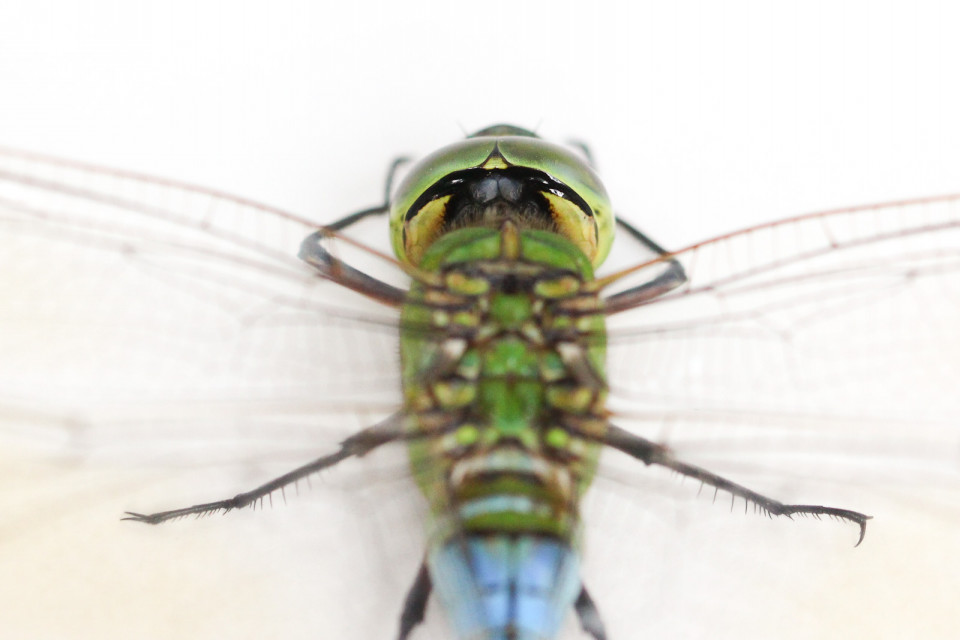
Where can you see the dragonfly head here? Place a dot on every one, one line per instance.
(500, 173)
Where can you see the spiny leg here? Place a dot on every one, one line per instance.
(380, 209)
(588, 615)
(652, 453)
(357, 445)
(415, 604)
(313, 252)
(672, 277)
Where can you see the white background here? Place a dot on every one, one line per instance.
(703, 117)
(696, 111)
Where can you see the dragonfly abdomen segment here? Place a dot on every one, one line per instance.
(510, 350)
(503, 586)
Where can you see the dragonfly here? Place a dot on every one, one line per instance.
(798, 309)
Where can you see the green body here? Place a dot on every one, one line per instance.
(502, 346)
(500, 363)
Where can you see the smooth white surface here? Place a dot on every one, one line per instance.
(703, 117)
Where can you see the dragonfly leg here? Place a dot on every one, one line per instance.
(415, 604)
(672, 277)
(652, 453)
(588, 615)
(353, 218)
(313, 253)
(357, 445)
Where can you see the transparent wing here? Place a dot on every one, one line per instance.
(816, 361)
(161, 345)
(844, 316)
(121, 290)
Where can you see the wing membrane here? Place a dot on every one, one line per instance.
(140, 305)
(163, 326)
(838, 325)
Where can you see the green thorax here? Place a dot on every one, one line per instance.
(503, 381)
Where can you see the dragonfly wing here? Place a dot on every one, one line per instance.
(815, 361)
(162, 346)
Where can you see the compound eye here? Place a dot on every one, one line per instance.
(411, 232)
(587, 220)
(572, 196)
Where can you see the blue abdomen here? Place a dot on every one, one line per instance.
(505, 587)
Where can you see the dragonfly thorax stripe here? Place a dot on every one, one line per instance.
(507, 347)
